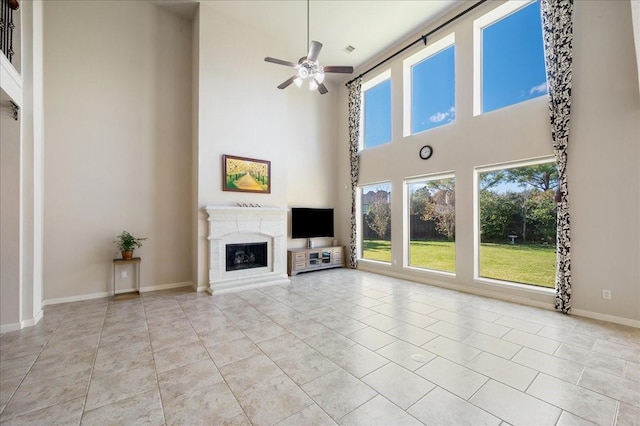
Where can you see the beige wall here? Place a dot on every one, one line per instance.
(241, 112)
(604, 160)
(31, 163)
(604, 163)
(118, 152)
(21, 180)
(10, 216)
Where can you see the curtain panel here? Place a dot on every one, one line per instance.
(557, 30)
(355, 99)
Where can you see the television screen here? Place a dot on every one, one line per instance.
(311, 223)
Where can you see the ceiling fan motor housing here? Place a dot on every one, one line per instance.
(310, 70)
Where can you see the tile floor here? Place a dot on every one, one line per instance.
(338, 346)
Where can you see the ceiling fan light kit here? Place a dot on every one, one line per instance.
(308, 68)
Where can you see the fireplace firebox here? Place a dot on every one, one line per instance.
(246, 256)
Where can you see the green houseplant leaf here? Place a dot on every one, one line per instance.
(126, 241)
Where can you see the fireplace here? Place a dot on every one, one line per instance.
(247, 247)
(246, 256)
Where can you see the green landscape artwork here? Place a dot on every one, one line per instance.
(246, 175)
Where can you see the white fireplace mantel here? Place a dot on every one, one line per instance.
(234, 225)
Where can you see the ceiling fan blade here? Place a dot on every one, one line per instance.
(322, 88)
(280, 62)
(314, 51)
(343, 70)
(287, 82)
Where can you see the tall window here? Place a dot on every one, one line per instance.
(517, 223)
(377, 110)
(508, 56)
(432, 223)
(430, 97)
(376, 222)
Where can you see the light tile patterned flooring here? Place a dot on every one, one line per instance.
(337, 346)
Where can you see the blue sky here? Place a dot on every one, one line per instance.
(377, 114)
(433, 100)
(513, 71)
(513, 59)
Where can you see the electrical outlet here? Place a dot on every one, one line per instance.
(606, 294)
(123, 274)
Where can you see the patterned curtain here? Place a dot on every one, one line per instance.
(355, 93)
(557, 29)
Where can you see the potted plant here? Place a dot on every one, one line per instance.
(127, 243)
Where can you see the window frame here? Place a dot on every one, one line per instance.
(503, 11)
(370, 84)
(407, 73)
(406, 223)
(476, 224)
(360, 224)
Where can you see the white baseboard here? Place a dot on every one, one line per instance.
(32, 321)
(75, 298)
(166, 286)
(107, 294)
(22, 324)
(5, 328)
(200, 288)
(605, 317)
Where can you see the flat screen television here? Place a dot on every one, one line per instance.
(311, 223)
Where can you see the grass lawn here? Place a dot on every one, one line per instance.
(528, 264)
(438, 255)
(376, 250)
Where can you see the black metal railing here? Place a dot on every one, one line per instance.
(7, 26)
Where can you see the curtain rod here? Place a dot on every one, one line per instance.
(422, 38)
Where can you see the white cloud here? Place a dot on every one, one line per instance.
(540, 88)
(439, 117)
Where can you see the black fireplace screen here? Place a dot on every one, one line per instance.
(246, 256)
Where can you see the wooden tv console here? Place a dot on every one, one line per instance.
(314, 259)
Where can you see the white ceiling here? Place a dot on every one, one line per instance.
(371, 26)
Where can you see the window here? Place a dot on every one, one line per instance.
(376, 105)
(429, 93)
(517, 223)
(432, 223)
(376, 222)
(508, 56)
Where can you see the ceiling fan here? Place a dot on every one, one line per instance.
(308, 68)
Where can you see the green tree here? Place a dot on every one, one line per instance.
(441, 206)
(543, 216)
(542, 177)
(524, 203)
(419, 199)
(490, 179)
(379, 215)
(497, 213)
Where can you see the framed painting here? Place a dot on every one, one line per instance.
(242, 174)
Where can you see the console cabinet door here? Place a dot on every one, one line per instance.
(300, 260)
(337, 256)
